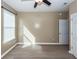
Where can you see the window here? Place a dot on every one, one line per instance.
(8, 26)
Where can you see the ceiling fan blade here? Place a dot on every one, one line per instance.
(35, 5)
(47, 2)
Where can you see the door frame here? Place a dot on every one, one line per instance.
(70, 46)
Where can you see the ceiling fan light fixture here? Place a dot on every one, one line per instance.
(38, 1)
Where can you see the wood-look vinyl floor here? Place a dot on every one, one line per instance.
(39, 52)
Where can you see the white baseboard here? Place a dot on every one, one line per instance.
(45, 43)
(8, 51)
(50, 44)
(71, 52)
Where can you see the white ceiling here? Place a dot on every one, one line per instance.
(27, 6)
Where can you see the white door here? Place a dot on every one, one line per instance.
(73, 34)
(63, 31)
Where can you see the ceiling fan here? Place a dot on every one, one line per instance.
(39, 2)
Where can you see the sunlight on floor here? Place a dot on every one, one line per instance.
(26, 45)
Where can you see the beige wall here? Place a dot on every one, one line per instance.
(48, 22)
(6, 46)
(73, 7)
